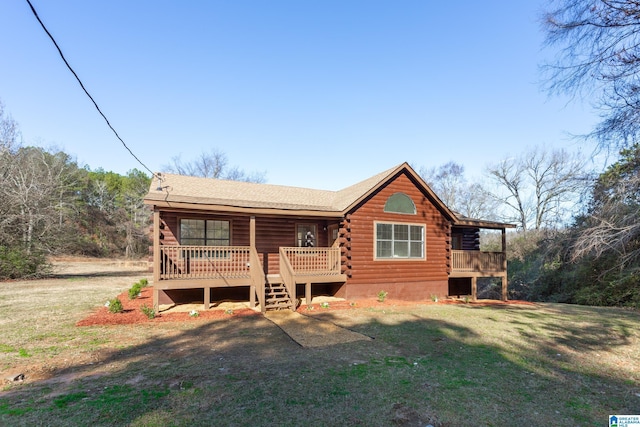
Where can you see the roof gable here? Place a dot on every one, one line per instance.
(368, 187)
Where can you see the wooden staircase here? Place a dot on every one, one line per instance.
(276, 295)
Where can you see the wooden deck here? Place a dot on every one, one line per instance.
(480, 264)
(186, 267)
(476, 264)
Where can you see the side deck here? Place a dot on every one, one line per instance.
(475, 264)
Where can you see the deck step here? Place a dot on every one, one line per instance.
(276, 296)
(279, 305)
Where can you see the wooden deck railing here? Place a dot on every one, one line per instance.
(287, 274)
(205, 262)
(236, 262)
(313, 261)
(477, 261)
(257, 276)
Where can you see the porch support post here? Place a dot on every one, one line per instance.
(474, 288)
(307, 293)
(504, 264)
(207, 298)
(156, 257)
(252, 244)
(252, 231)
(504, 287)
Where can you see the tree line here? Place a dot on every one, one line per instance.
(49, 205)
(596, 259)
(578, 236)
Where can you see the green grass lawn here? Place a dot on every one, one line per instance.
(444, 365)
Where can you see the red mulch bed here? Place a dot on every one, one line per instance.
(133, 314)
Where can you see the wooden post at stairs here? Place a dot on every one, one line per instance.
(156, 257)
(307, 293)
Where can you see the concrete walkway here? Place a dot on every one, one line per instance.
(310, 332)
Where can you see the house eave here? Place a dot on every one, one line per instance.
(206, 207)
(482, 224)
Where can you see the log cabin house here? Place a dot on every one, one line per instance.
(275, 243)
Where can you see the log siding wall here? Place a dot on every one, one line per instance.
(402, 278)
(469, 238)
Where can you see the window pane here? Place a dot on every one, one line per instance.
(416, 250)
(218, 230)
(416, 232)
(191, 228)
(400, 232)
(384, 250)
(384, 231)
(400, 249)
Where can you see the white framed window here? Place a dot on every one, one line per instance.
(399, 241)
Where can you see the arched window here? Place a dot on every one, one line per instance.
(400, 203)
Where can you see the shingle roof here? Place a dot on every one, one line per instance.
(207, 191)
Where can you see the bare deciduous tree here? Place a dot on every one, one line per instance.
(538, 186)
(9, 131)
(612, 224)
(213, 164)
(449, 183)
(34, 188)
(599, 56)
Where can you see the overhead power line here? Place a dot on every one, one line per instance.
(85, 89)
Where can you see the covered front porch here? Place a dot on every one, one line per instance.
(182, 267)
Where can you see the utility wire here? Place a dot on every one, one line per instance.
(84, 89)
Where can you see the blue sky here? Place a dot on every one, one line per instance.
(317, 94)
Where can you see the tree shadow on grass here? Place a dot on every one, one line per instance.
(143, 272)
(246, 371)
